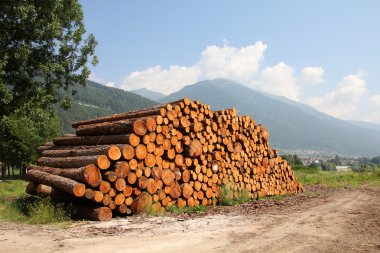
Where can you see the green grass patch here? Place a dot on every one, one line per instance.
(334, 179)
(16, 205)
(274, 197)
(188, 210)
(229, 197)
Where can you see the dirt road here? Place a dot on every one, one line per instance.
(320, 221)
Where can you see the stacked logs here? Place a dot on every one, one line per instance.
(179, 153)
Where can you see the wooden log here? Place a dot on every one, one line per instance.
(101, 161)
(94, 212)
(142, 203)
(112, 151)
(123, 209)
(120, 184)
(141, 151)
(61, 183)
(132, 139)
(167, 176)
(104, 187)
(195, 148)
(89, 174)
(122, 169)
(138, 126)
(123, 116)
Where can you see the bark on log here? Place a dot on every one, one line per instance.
(101, 161)
(132, 139)
(61, 183)
(94, 212)
(89, 174)
(113, 152)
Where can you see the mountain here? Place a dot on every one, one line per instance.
(293, 127)
(152, 95)
(366, 125)
(96, 100)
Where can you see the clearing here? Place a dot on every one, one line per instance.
(322, 220)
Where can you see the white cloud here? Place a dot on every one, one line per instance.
(162, 80)
(279, 80)
(375, 100)
(344, 99)
(238, 64)
(311, 75)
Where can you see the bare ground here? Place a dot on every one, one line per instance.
(322, 220)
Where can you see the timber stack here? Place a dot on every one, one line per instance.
(180, 153)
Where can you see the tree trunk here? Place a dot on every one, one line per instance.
(112, 151)
(88, 174)
(75, 162)
(61, 183)
(94, 212)
(132, 139)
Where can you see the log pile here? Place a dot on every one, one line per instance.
(180, 153)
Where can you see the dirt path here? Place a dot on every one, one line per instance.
(322, 221)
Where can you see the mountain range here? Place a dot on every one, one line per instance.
(149, 94)
(293, 127)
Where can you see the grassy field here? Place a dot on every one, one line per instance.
(17, 206)
(334, 179)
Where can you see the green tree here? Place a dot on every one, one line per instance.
(24, 130)
(292, 159)
(43, 54)
(42, 50)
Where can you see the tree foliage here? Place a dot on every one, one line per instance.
(292, 159)
(42, 49)
(26, 129)
(43, 55)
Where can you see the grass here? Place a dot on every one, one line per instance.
(230, 198)
(16, 205)
(334, 179)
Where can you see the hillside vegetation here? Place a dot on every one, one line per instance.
(96, 100)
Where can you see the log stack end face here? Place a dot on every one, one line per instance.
(179, 153)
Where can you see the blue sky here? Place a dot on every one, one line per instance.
(322, 53)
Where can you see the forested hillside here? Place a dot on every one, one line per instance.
(97, 100)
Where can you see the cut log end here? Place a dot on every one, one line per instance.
(79, 190)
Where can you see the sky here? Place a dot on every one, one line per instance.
(325, 54)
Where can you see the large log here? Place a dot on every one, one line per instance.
(132, 139)
(101, 161)
(94, 212)
(88, 174)
(112, 151)
(156, 110)
(138, 126)
(61, 183)
(122, 116)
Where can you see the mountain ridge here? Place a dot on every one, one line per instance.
(149, 94)
(293, 126)
(97, 100)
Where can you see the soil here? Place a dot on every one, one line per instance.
(321, 220)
